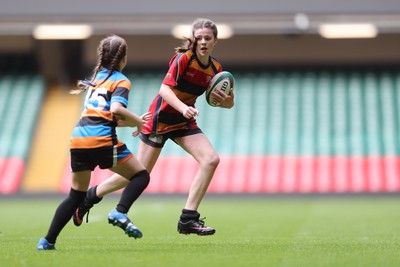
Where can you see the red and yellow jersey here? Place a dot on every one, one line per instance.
(189, 79)
(96, 126)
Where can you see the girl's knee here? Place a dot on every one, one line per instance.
(212, 160)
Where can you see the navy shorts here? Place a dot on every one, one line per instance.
(158, 140)
(105, 157)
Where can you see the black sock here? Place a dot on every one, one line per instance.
(188, 215)
(64, 213)
(133, 190)
(91, 196)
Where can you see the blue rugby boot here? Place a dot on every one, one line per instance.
(43, 244)
(122, 221)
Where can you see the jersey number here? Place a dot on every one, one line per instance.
(97, 99)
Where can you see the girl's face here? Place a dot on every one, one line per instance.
(205, 42)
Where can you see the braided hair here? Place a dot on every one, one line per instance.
(189, 43)
(110, 52)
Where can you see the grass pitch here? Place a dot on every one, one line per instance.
(251, 231)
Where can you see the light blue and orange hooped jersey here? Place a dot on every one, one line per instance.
(96, 127)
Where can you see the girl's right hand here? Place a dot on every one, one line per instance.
(144, 118)
(190, 112)
(138, 129)
(137, 132)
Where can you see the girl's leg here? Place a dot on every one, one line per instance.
(204, 153)
(64, 212)
(138, 179)
(201, 149)
(147, 156)
(121, 179)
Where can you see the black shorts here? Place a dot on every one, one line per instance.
(105, 157)
(158, 140)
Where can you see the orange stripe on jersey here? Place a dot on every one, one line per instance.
(98, 113)
(111, 85)
(187, 98)
(163, 127)
(90, 142)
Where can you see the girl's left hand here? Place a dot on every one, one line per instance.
(145, 117)
(225, 100)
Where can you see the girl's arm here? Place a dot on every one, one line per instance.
(126, 117)
(168, 95)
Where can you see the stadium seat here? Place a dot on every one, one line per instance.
(22, 96)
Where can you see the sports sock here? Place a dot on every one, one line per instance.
(63, 214)
(91, 196)
(188, 215)
(133, 190)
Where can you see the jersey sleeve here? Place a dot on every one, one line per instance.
(121, 92)
(177, 66)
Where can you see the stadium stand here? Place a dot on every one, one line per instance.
(49, 150)
(22, 95)
(291, 131)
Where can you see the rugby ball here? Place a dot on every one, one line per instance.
(222, 80)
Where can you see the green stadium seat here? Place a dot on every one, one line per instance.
(22, 96)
